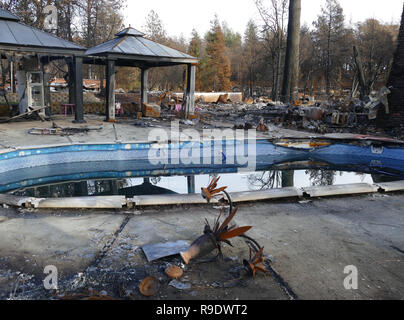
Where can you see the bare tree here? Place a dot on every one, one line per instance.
(328, 38)
(373, 53)
(274, 18)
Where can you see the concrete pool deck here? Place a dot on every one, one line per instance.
(14, 135)
(311, 243)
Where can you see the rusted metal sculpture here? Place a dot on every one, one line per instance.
(210, 191)
(223, 232)
(211, 239)
(254, 264)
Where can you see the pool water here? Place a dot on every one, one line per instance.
(236, 182)
(130, 169)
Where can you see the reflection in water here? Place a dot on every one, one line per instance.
(379, 178)
(155, 180)
(304, 178)
(277, 179)
(265, 180)
(321, 177)
(288, 178)
(236, 182)
(76, 189)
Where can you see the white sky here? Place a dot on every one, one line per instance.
(181, 16)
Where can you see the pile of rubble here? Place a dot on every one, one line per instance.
(335, 115)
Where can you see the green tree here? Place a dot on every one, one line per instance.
(195, 50)
(234, 50)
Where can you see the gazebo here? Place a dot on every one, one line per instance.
(37, 48)
(130, 49)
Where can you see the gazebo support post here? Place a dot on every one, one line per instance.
(190, 99)
(78, 89)
(144, 89)
(70, 68)
(110, 90)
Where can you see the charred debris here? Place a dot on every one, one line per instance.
(335, 115)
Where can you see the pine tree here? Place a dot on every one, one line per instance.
(234, 50)
(218, 70)
(154, 28)
(195, 50)
(328, 39)
(250, 55)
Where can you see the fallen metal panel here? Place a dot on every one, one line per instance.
(344, 189)
(391, 186)
(161, 250)
(169, 199)
(108, 202)
(289, 192)
(173, 199)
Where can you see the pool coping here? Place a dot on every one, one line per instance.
(120, 202)
(331, 138)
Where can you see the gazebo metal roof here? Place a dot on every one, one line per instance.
(130, 45)
(6, 15)
(15, 35)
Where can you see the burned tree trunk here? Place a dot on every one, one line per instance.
(291, 74)
(361, 76)
(395, 118)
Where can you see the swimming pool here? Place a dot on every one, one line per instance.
(33, 167)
